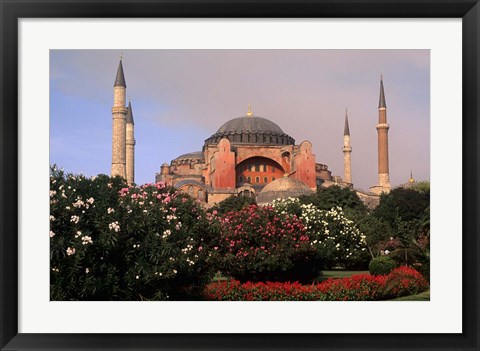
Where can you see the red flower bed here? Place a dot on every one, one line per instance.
(402, 281)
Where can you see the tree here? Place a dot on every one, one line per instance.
(406, 204)
(333, 196)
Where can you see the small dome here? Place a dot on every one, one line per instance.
(282, 188)
(196, 155)
(251, 130)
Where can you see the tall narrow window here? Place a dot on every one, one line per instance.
(265, 179)
(257, 179)
(257, 167)
(249, 179)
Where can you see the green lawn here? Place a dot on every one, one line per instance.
(424, 296)
(340, 274)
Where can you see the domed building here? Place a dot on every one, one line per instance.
(241, 158)
(247, 156)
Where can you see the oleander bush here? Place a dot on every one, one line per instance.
(381, 265)
(402, 281)
(335, 237)
(111, 241)
(260, 244)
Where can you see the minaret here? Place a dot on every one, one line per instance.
(382, 130)
(119, 113)
(347, 150)
(130, 145)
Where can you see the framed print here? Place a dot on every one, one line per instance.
(181, 72)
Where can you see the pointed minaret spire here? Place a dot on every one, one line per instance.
(130, 113)
(346, 129)
(249, 113)
(120, 78)
(381, 102)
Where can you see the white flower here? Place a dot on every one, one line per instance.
(87, 270)
(114, 226)
(86, 240)
(175, 271)
(74, 219)
(52, 218)
(52, 193)
(110, 210)
(78, 234)
(52, 234)
(70, 251)
(91, 200)
(137, 277)
(79, 203)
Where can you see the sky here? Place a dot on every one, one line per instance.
(181, 97)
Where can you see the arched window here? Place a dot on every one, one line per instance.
(265, 179)
(249, 179)
(257, 179)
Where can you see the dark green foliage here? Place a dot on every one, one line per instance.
(233, 203)
(333, 196)
(406, 204)
(381, 265)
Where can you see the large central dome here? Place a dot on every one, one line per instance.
(251, 124)
(251, 130)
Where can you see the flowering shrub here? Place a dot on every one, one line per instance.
(260, 244)
(402, 281)
(111, 241)
(334, 237)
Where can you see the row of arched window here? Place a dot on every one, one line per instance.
(248, 179)
(257, 167)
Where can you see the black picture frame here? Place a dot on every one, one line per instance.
(11, 11)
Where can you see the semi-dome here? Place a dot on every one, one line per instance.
(282, 188)
(251, 130)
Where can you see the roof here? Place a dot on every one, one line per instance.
(249, 130)
(252, 124)
(282, 188)
(381, 102)
(191, 155)
(130, 114)
(120, 78)
(346, 130)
